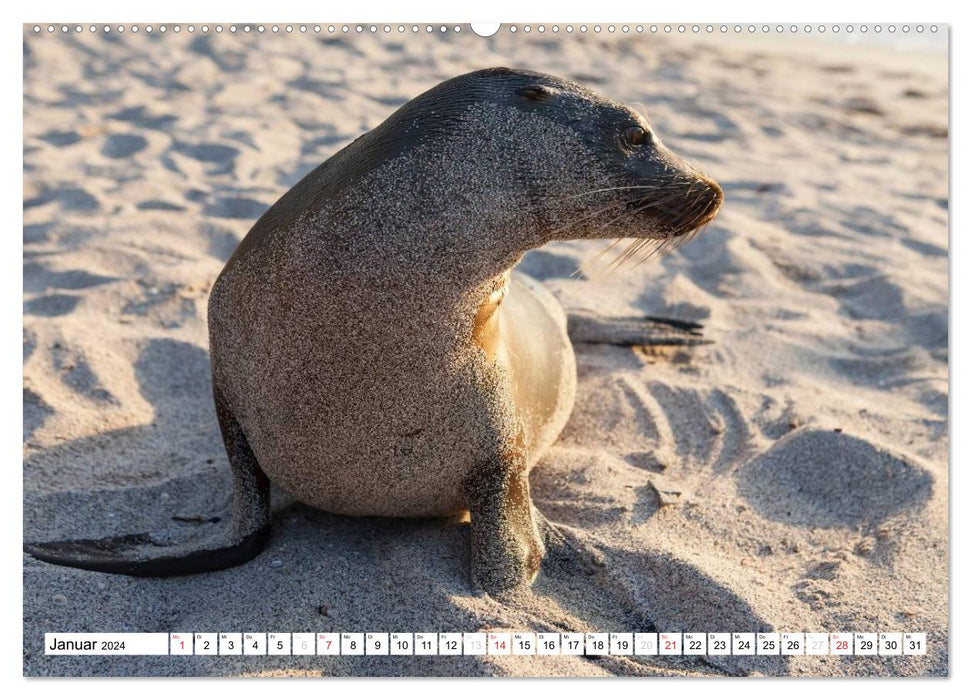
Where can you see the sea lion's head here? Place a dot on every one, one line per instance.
(583, 165)
(489, 164)
(603, 171)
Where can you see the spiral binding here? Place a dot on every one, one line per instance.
(671, 29)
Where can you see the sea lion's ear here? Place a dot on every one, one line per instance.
(536, 93)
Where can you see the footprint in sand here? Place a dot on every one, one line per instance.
(222, 241)
(36, 411)
(36, 233)
(181, 439)
(69, 198)
(159, 205)
(236, 208)
(873, 298)
(167, 304)
(38, 278)
(72, 366)
(215, 153)
(140, 117)
(123, 145)
(51, 305)
(227, 61)
(61, 139)
(30, 343)
(819, 478)
(324, 88)
(926, 249)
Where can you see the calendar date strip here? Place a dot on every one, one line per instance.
(486, 644)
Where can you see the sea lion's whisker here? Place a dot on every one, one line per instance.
(605, 250)
(626, 254)
(652, 243)
(616, 241)
(637, 248)
(610, 207)
(589, 267)
(689, 212)
(701, 230)
(662, 246)
(632, 245)
(697, 210)
(681, 241)
(577, 222)
(659, 252)
(654, 203)
(666, 186)
(656, 252)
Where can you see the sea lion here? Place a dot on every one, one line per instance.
(373, 350)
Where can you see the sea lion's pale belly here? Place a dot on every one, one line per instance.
(360, 430)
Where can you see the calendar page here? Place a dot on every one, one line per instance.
(496, 349)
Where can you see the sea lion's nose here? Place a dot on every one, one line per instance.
(715, 196)
(704, 208)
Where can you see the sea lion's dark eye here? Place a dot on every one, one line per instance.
(635, 136)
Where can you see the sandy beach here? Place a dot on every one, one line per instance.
(790, 476)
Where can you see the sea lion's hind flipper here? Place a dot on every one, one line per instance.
(588, 327)
(142, 555)
(228, 542)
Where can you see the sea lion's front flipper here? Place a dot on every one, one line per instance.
(507, 546)
(229, 541)
(588, 327)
